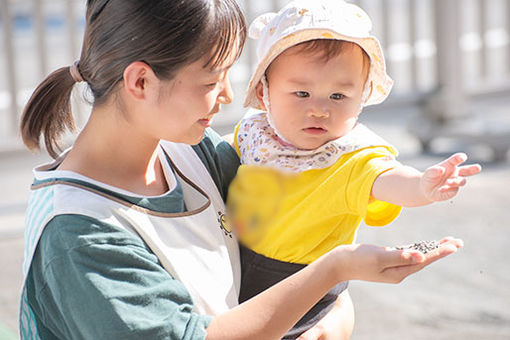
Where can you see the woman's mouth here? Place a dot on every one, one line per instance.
(206, 122)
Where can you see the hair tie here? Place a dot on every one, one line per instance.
(74, 69)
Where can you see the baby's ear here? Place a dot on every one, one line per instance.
(259, 92)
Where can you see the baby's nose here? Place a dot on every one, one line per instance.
(318, 112)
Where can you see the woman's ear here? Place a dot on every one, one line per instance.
(139, 80)
(259, 92)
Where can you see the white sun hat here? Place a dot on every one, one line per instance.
(304, 20)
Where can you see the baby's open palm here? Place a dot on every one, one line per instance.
(442, 181)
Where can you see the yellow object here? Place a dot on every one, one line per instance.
(297, 217)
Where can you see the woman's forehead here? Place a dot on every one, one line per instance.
(197, 71)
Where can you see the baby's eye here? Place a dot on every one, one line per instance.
(336, 96)
(302, 94)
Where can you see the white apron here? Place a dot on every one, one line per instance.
(196, 247)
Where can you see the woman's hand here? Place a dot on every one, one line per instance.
(273, 312)
(385, 264)
(373, 263)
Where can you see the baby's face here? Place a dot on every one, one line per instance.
(314, 101)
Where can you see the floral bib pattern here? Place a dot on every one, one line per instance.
(259, 145)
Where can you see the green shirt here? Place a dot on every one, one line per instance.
(92, 280)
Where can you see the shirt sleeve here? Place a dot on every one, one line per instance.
(91, 280)
(366, 166)
(220, 160)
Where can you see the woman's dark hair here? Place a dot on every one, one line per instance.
(165, 34)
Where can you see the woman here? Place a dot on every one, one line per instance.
(126, 236)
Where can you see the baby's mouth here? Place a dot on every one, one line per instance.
(314, 130)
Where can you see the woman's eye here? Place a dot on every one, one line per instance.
(336, 96)
(302, 94)
(212, 84)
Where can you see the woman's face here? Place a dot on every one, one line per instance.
(187, 103)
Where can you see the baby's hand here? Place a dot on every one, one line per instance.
(443, 180)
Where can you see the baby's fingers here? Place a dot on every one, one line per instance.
(469, 170)
(452, 185)
(434, 173)
(455, 182)
(453, 160)
(447, 192)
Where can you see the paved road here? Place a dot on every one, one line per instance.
(463, 297)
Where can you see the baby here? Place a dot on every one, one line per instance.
(311, 173)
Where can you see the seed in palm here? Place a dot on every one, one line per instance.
(422, 246)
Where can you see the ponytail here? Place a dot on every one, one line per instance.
(48, 112)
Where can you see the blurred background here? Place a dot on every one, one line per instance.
(450, 60)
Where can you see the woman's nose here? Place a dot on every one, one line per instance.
(226, 96)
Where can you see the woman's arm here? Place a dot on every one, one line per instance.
(272, 313)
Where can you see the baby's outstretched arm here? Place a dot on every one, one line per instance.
(409, 187)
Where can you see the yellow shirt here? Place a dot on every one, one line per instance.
(297, 217)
